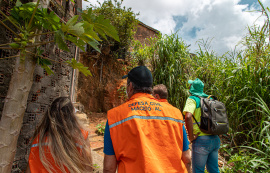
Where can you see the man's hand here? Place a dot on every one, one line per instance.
(193, 137)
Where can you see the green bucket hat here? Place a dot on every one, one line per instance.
(196, 88)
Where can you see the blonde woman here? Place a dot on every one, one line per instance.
(60, 144)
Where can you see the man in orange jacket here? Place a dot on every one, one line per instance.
(160, 92)
(143, 134)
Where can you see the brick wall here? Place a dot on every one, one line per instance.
(144, 32)
(45, 88)
(6, 65)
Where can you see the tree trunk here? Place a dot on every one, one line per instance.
(13, 111)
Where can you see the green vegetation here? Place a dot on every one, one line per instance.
(100, 128)
(143, 54)
(125, 22)
(122, 92)
(31, 22)
(239, 79)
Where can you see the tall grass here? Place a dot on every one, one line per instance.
(239, 79)
(169, 68)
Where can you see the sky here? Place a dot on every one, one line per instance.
(224, 22)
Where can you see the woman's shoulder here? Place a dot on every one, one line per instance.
(35, 139)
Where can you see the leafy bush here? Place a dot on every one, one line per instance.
(142, 54)
(125, 22)
(122, 92)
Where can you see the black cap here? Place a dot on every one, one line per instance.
(141, 76)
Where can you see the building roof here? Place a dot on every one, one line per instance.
(149, 27)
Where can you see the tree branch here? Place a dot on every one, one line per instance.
(52, 60)
(40, 44)
(11, 57)
(31, 53)
(5, 44)
(43, 33)
(34, 12)
(9, 28)
(45, 57)
(11, 21)
(9, 48)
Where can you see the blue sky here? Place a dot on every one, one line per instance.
(223, 21)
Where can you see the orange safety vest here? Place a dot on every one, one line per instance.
(164, 100)
(147, 136)
(34, 161)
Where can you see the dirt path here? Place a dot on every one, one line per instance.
(96, 141)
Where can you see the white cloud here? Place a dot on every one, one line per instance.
(266, 3)
(223, 20)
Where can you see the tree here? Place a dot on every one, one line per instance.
(125, 22)
(31, 22)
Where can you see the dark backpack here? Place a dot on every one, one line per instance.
(214, 118)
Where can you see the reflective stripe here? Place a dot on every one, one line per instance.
(80, 146)
(196, 123)
(145, 118)
(35, 145)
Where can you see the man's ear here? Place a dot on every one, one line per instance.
(157, 96)
(130, 89)
(131, 86)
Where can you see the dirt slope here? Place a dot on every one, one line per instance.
(105, 88)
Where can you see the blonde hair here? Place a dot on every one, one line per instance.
(60, 129)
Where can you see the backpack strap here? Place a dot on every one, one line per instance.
(196, 121)
(197, 106)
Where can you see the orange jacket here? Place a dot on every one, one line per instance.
(34, 161)
(147, 135)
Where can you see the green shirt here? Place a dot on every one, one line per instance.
(196, 111)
